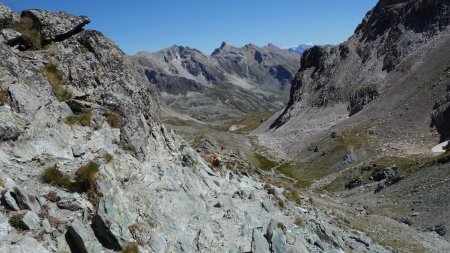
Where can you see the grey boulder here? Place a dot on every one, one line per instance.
(259, 243)
(7, 16)
(10, 201)
(10, 37)
(31, 220)
(25, 200)
(11, 124)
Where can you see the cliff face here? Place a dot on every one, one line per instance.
(388, 50)
(231, 81)
(87, 167)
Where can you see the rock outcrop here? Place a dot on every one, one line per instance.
(86, 166)
(56, 26)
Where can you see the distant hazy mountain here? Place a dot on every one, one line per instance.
(299, 49)
(230, 81)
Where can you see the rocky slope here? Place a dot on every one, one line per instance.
(86, 166)
(231, 81)
(363, 117)
(374, 78)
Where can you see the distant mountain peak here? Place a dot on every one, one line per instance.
(299, 48)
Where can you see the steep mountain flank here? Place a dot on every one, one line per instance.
(86, 166)
(375, 77)
(231, 81)
(363, 118)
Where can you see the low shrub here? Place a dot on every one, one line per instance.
(83, 119)
(85, 177)
(281, 226)
(16, 221)
(3, 96)
(131, 247)
(54, 176)
(83, 48)
(114, 119)
(107, 157)
(54, 77)
(293, 195)
(299, 222)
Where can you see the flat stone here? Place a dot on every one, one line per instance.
(74, 203)
(24, 99)
(78, 150)
(22, 178)
(11, 37)
(32, 221)
(259, 243)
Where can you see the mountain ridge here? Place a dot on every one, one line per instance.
(247, 79)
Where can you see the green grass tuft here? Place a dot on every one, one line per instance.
(83, 48)
(83, 119)
(299, 222)
(16, 221)
(3, 96)
(131, 247)
(54, 176)
(55, 78)
(86, 175)
(30, 33)
(114, 120)
(107, 157)
(282, 227)
(293, 195)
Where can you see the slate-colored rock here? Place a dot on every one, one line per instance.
(25, 200)
(32, 220)
(11, 124)
(82, 239)
(74, 203)
(10, 201)
(259, 243)
(7, 16)
(11, 37)
(78, 150)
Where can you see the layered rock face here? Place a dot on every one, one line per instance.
(231, 81)
(391, 57)
(87, 167)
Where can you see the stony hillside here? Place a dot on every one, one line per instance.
(86, 166)
(232, 81)
(363, 118)
(385, 77)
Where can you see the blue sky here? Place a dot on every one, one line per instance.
(137, 25)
